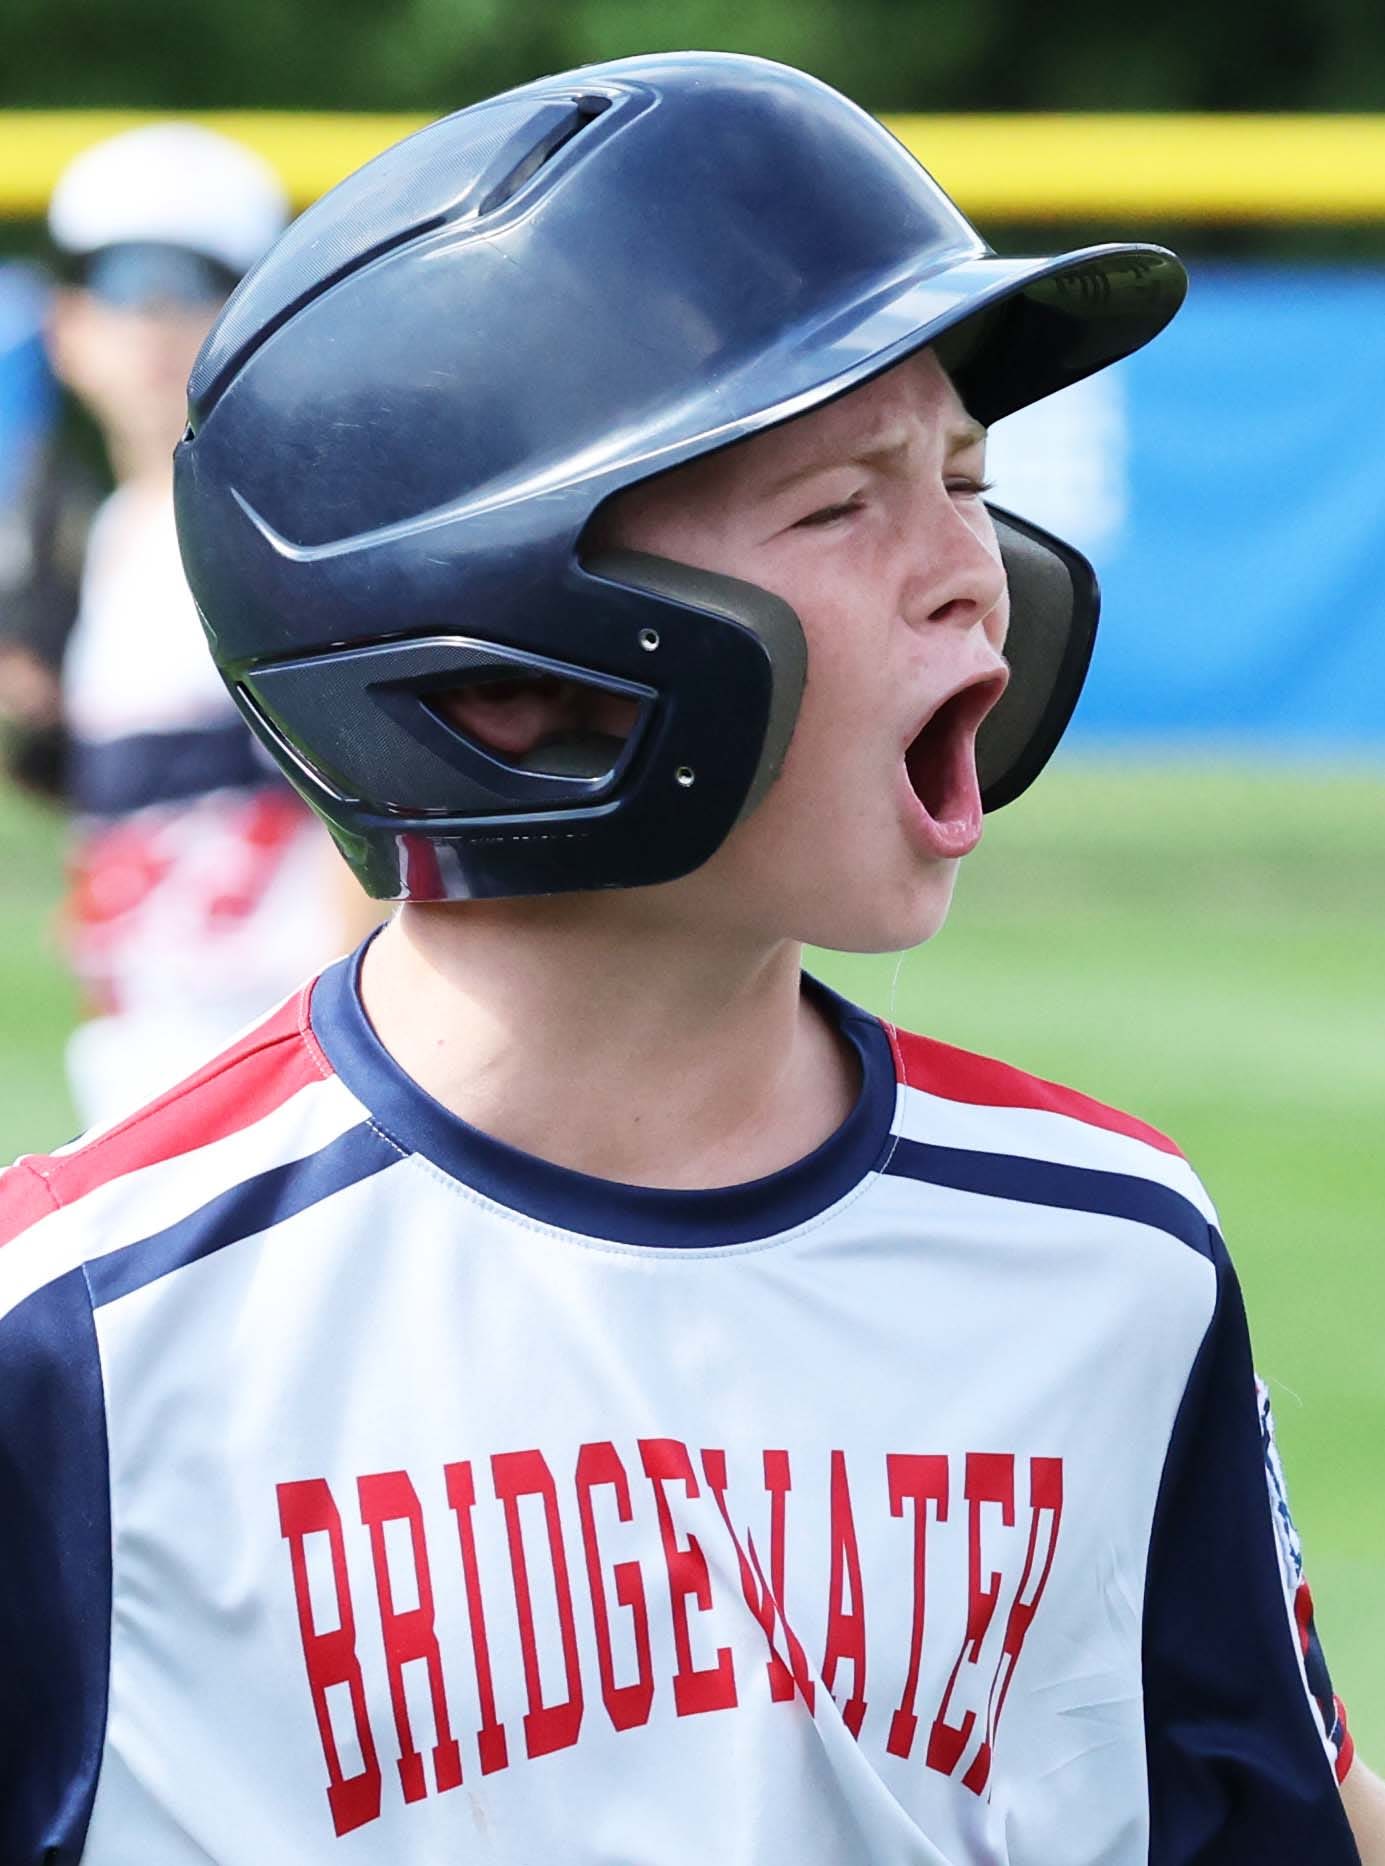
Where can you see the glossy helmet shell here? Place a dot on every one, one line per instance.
(409, 412)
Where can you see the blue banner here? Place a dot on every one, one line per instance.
(1229, 485)
(27, 395)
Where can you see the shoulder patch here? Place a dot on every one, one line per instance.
(1328, 1707)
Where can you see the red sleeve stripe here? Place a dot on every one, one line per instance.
(957, 1075)
(231, 1092)
(1303, 1616)
(24, 1199)
(1346, 1749)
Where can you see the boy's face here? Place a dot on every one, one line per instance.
(867, 518)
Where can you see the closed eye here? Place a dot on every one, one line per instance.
(971, 488)
(829, 514)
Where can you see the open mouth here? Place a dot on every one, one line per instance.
(940, 763)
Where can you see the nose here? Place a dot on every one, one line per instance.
(955, 577)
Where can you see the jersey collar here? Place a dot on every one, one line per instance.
(602, 1208)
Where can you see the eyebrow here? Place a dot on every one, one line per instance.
(881, 456)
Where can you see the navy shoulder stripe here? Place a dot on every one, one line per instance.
(1045, 1182)
(253, 1206)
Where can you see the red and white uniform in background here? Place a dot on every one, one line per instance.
(196, 897)
(370, 1491)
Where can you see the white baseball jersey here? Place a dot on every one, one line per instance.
(372, 1492)
(195, 900)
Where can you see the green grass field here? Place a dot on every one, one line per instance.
(1202, 946)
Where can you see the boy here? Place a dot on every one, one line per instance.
(200, 890)
(567, 1387)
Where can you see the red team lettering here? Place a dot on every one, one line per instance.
(526, 1474)
(764, 1603)
(626, 1705)
(491, 1746)
(1045, 1500)
(307, 1509)
(920, 1481)
(990, 1479)
(385, 1498)
(708, 1687)
(846, 1626)
(965, 1717)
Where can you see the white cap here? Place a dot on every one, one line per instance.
(177, 184)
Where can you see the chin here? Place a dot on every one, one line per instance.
(865, 920)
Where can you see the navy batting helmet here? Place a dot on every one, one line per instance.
(407, 415)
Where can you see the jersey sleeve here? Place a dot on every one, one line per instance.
(55, 1577)
(1241, 1727)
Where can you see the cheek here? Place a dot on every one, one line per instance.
(997, 624)
(834, 755)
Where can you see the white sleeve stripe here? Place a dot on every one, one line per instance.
(152, 1197)
(1042, 1134)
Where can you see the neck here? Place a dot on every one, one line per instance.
(140, 458)
(598, 1037)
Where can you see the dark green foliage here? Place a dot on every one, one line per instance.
(432, 55)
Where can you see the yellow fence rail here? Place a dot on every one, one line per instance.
(1171, 167)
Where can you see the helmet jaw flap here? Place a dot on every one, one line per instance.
(423, 813)
(1054, 608)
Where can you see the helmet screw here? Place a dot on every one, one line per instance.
(649, 639)
(686, 776)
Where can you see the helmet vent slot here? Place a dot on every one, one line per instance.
(508, 185)
(456, 169)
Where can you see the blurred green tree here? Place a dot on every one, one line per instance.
(432, 55)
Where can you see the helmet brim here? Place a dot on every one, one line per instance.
(1010, 332)
(1022, 329)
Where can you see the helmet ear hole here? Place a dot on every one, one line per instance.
(542, 722)
(576, 755)
(347, 720)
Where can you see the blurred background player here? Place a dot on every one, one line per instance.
(52, 478)
(199, 888)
